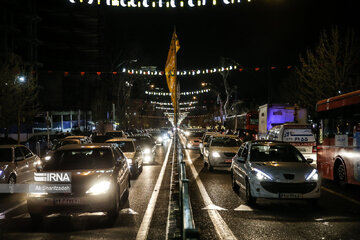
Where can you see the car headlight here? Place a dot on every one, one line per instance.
(99, 188)
(47, 158)
(147, 151)
(215, 154)
(260, 175)
(313, 176)
(37, 163)
(129, 161)
(160, 139)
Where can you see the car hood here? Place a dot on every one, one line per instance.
(283, 171)
(129, 155)
(224, 149)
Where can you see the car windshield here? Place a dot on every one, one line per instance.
(100, 139)
(275, 153)
(5, 155)
(225, 142)
(62, 143)
(98, 158)
(125, 146)
(143, 140)
(115, 134)
(196, 134)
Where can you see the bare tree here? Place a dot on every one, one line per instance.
(330, 69)
(18, 95)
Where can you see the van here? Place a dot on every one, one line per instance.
(298, 135)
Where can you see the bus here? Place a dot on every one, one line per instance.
(246, 120)
(338, 150)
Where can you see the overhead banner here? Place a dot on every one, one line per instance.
(170, 69)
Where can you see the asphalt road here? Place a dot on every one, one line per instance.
(220, 213)
(143, 215)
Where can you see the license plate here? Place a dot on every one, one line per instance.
(66, 201)
(290, 195)
(228, 160)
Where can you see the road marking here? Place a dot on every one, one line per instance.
(12, 209)
(221, 228)
(128, 211)
(214, 207)
(244, 208)
(145, 224)
(341, 195)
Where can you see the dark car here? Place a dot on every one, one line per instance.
(147, 145)
(100, 138)
(100, 178)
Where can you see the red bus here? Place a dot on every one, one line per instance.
(338, 155)
(248, 120)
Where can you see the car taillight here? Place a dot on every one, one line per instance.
(314, 150)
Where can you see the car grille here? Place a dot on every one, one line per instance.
(289, 187)
(229, 154)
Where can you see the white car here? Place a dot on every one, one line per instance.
(268, 169)
(221, 150)
(132, 153)
(205, 140)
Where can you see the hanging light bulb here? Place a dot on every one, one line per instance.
(145, 3)
(191, 3)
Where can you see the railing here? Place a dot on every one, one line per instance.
(188, 226)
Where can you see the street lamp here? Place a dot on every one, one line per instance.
(21, 78)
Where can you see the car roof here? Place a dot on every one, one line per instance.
(272, 142)
(86, 146)
(70, 137)
(120, 139)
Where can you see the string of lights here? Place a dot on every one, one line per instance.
(182, 72)
(169, 104)
(156, 3)
(172, 109)
(182, 93)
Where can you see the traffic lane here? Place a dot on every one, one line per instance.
(275, 219)
(18, 224)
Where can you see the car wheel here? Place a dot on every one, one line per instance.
(340, 173)
(235, 186)
(209, 167)
(36, 218)
(141, 168)
(205, 164)
(249, 199)
(115, 210)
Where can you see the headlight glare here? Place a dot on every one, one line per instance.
(260, 175)
(147, 151)
(47, 158)
(129, 161)
(99, 188)
(215, 154)
(313, 176)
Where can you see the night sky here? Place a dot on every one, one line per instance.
(260, 33)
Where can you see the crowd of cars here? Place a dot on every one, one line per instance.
(100, 166)
(283, 166)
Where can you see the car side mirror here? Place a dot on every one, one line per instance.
(240, 159)
(309, 160)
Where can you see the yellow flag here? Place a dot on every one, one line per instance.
(170, 68)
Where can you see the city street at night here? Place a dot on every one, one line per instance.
(179, 120)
